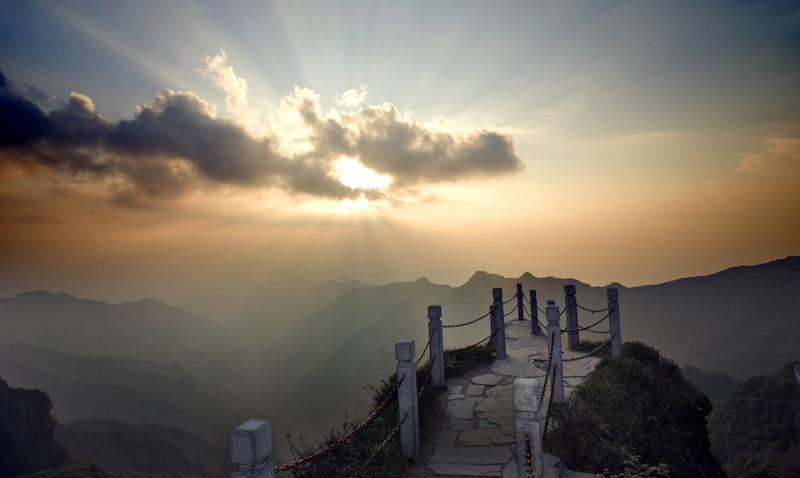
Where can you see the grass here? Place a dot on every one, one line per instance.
(390, 463)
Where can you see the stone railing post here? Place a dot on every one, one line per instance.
(437, 345)
(613, 322)
(407, 398)
(528, 425)
(251, 445)
(499, 329)
(520, 303)
(554, 330)
(573, 340)
(535, 329)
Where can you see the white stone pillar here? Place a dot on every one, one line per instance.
(554, 330)
(437, 345)
(520, 303)
(251, 445)
(573, 339)
(499, 323)
(407, 398)
(613, 322)
(527, 423)
(535, 314)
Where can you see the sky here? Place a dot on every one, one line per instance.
(167, 148)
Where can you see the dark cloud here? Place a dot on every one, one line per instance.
(177, 143)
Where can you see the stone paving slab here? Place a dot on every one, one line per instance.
(461, 470)
(475, 455)
(479, 437)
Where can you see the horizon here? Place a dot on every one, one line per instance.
(173, 149)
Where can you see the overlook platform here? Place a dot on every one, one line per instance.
(478, 436)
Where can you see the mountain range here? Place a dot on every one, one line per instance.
(300, 354)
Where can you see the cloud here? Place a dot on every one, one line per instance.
(236, 100)
(352, 98)
(177, 144)
(782, 155)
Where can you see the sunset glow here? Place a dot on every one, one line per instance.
(610, 141)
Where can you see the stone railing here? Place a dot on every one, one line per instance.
(252, 441)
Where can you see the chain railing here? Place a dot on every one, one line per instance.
(430, 337)
(509, 300)
(590, 353)
(426, 381)
(547, 370)
(588, 326)
(380, 447)
(549, 405)
(344, 439)
(510, 311)
(591, 310)
(470, 322)
(528, 457)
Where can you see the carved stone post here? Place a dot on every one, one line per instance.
(528, 425)
(535, 329)
(407, 398)
(613, 322)
(573, 340)
(251, 445)
(554, 330)
(499, 328)
(520, 303)
(437, 345)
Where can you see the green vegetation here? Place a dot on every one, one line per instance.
(26, 434)
(635, 410)
(756, 432)
(589, 345)
(390, 463)
(717, 385)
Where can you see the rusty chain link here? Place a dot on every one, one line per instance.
(590, 353)
(547, 373)
(509, 300)
(540, 310)
(528, 458)
(510, 311)
(426, 381)
(430, 337)
(591, 310)
(528, 301)
(380, 447)
(470, 322)
(549, 405)
(588, 326)
(562, 311)
(344, 439)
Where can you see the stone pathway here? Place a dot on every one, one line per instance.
(478, 438)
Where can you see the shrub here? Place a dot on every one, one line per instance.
(635, 405)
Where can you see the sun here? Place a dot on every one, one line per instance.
(351, 173)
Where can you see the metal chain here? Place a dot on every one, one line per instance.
(380, 447)
(540, 310)
(427, 379)
(547, 370)
(525, 309)
(470, 322)
(525, 297)
(549, 406)
(599, 331)
(542, 326)
(510, 311)
(509, 300)
(528, 458)
(430, 337)
(344, 439)
(590, 353)
(591, 310)
(562, 311)
(588, 326)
